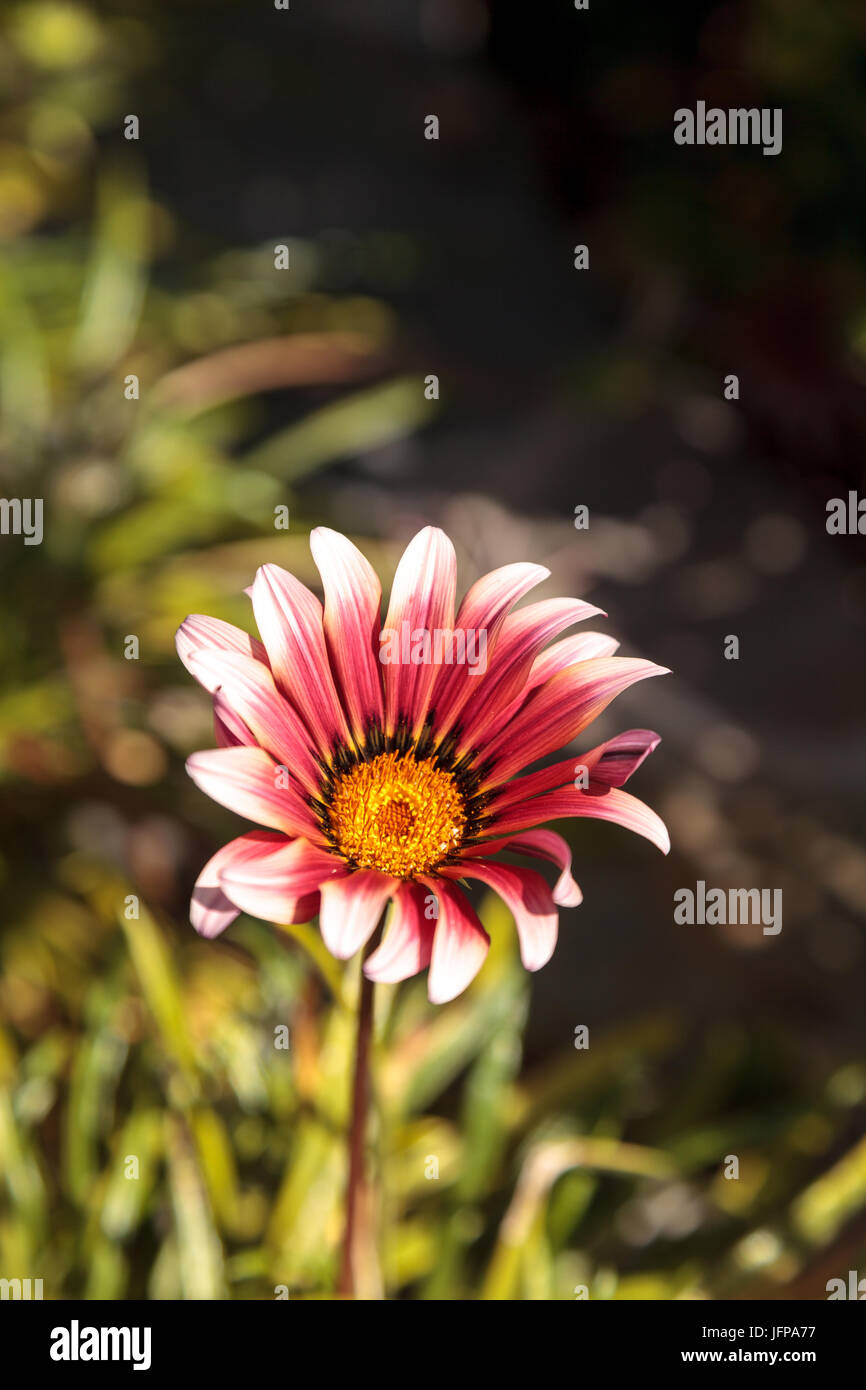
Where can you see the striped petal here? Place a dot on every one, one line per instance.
(482, 611)
(558, 711)
(460, 943)
(228, 729)
(599, 802)
(350, 909)
(520, 789)
(198, 633)
(546, 844)
(408, 942)
(248, 690)
(612, 763)
(528, 899)
(616, 760)
(422, 600)
(540, 844)
(352, 619)
(210, 910)
(291, 622)
(523, 636)
(272, 887)
(245, 781)
(583, 646)
(568, 652)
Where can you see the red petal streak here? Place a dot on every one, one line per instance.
(521, 638)
(484, 609)
(529, 901)
(249, 691)
(350, 909)
(198, 633)
(353, 597)
(616, 760)
(547, 779)
(558, 711)
(460, 943)
(546, 844)
(229, 731)
(244, 780)
(562, 654)
(583, 646)
(408, 942)
(599, 803)
(210, 910)
(274, 887)
(611, 763)
(422, 598)
(291, 621)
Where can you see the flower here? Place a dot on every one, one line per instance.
(383, 765)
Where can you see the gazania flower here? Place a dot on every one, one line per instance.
(382, 759)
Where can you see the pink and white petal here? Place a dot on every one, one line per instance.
(546, 844)
(350, 909)
(210, 910)
(522, 637)
(485, 848)
(482, 611)
(199, 633)
(568, 652)
(353, 597)
(408, 942)
(422, 598)
(306, 908)
(272, 887)
(560, 710)
(519, 789)
(599, 802)
(612, 762)
(537, 623)
(291, 622)
(528, 899)
(542, 844)
(229, 730)
(248, 690)
(488, 601)
(460, 943)
(244, 780)
(583, 646)
(616, 760)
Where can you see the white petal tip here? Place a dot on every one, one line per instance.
(567, 898)
(442, 997)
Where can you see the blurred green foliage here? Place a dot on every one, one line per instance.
(156, 1141)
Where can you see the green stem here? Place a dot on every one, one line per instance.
(356, 1189)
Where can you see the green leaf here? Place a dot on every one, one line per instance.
(355, 425)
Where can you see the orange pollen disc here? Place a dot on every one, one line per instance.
(397, 814)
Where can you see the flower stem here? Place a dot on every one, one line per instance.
(357, 1240)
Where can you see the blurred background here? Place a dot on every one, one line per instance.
(556, 1169)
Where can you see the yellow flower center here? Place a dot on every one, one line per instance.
(397, 814)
